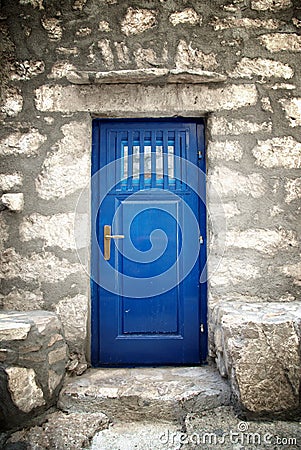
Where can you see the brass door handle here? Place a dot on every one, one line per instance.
(107, 240)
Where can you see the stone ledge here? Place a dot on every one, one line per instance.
(257, 346)
(147, 76)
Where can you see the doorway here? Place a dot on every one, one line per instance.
(148, 242)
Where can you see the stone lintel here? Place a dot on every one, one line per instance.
(147, 76)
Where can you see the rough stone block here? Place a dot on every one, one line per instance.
(227, 182)
(257, 345)
(61, 431)
(266, 68)
(66, 169)
(3, 232)
(278, 152)
(38, 266)
(221, 126)
(12, 102)
(22, 143)
(56, 230)
(293, 190)
(292, 108)
(278, 42)
(73, 312)
(188, 15)
(267, 241)
(138, 20)
(14, 202)
(245, 22)
(10, 181)
(33, 366)
(138, 99)
(271, 5)
(229, 150)
(187, 56)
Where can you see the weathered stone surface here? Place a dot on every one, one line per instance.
(293, 190)
(10, 181)
(139, 437)
(138, 20)
(34, 3)
(222, 429)
(3, 232)
(61, 69)
(22, 300)
(104, 26)
(271, 5)
(266, 241)
(66, 169)
(25, 70)
(55, 230)
(79, 4)
(232, 22)
(296, 22)
(122, 394)
(281, 42)
(22, 143)
(220, 126)
(73, 431)
(12, 102)
(266, 104)
(73, 312)
(53, 28)
(149, 76)
(188, 15)
(25, 392)
(230, 150)
(189, 57)
(265, 68)
(57, 355)
(124, 99)
(257, 346)
(292, 108)
(12, 328)
(33, 358)
(278, 152)
(293, 271)
(233, 271)
(230, 182)
(38, 266)
(14, 202)
(107, 54)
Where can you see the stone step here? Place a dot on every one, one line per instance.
(164, 394)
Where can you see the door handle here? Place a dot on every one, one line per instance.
(107, 240)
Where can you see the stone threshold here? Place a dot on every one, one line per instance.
(150, 394)
(147, 76)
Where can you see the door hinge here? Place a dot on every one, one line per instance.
(200, 154)
(201, 240)
(202, 328)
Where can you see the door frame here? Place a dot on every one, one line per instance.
(203, 288)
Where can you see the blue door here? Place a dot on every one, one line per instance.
(148, 242)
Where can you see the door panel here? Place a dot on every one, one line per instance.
(145, 308)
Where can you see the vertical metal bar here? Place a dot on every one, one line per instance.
(153, 158)
(184, 147)
(165, 159)
(118, 160)
(141, 160)
(178, 161)
(130, 160)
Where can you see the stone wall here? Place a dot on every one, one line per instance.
(249, 50)
(33, 357)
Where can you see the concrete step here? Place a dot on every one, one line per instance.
(164, 394)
